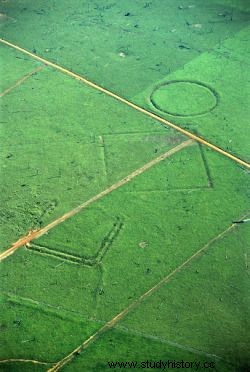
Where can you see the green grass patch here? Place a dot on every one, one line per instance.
(224, 69)
(122, 346)
(80, 37)
(64, 142)
(57, 161)
(36, 331)
(14, 66)
(206, 305)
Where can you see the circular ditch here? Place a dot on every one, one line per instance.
(184, 98)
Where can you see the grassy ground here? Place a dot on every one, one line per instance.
(64, 142)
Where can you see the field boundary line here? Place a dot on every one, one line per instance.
(78, 317)
(24, 361)
(52, 310)
(128, 103)
(38, 233)
(161, 340)
(21, 80)
(111, 323)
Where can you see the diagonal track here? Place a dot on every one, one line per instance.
(116, 319)
(33, 361)
(128, 103)
(22, 80)
(38, 233)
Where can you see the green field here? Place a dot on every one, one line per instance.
(147, 263)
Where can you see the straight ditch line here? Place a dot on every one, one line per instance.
(128, 103)
(20, 81)
(167, 342)
(110, 324)
(38, 233)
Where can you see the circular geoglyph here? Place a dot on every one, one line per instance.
(184, 98)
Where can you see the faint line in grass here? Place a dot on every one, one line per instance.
(111, 323)
(129, 103)
(22, 80)
(24, 361)
(35, 234)
(57, 311)
(208, 186)
(89, 261)
(104, 157)
(76, 316)
(168, 342)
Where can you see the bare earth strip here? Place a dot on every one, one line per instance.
(128, 103)
(110, 324)
(24, 361)
(43, 306)
(20, 81)
(38, 233)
